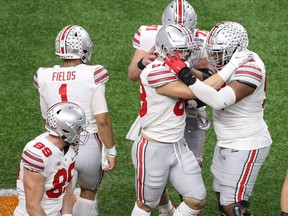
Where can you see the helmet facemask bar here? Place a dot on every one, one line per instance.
(78, 130)
(218, 58)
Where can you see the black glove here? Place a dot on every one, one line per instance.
(186, 76)
(206, 72)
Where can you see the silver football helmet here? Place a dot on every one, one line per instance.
(73, 42)
(175, 37)
(67, 120)
(223, 40)
(180, 12)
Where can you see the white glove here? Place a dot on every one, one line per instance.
(238, 58)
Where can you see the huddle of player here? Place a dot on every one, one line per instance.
(180, 70)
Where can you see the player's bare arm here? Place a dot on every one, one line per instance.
(104, 126)
(133, 70)
(139, 61)
(67, 200)
(34, 189)
(176, 89)
(241, 90)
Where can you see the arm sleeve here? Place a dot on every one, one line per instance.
(223, 98)
(99, 104)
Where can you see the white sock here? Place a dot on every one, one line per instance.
(139, 212)
(84, 207)
(167, 209)
(185, 210)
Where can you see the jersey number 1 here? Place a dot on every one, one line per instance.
(63, 92)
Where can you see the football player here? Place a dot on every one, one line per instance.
(284, 197)
(177, 12)
(44, 183)
(84, 84)
(160, 153)
(243, 138)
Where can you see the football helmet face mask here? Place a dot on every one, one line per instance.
(180, 12)
(68, 121)
(73, 42)
(178, 38)
(223, 40)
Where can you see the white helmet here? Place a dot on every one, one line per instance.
(175, 37)
(180, 12)
(73, 42)
(223, 40)
(67, 120)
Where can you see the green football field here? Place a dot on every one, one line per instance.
(28, 30)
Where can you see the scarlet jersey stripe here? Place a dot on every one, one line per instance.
(33, 166)
(34, 161)
(136, 41)
(141, 151)
(156, 73)
(35, 80)
(161, 80)
(160, 77)
(246, 173)
(101, 75)
(179, 11)
(240, 72)
(38, 159)
(249, 73)
(62, 39)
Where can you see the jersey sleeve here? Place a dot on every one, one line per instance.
(136, 39)
(160, 76)
(249, 73)
(35, 79)
(101, 74)
(99, 104)
(32, 159)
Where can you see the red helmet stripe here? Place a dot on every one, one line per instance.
(179, 11)
(188, 32)
(62, 39)
(212, 32)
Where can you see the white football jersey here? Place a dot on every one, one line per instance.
(75, 84)
(145, 37)
(241, 126)
(162, 118)
(42, 156)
